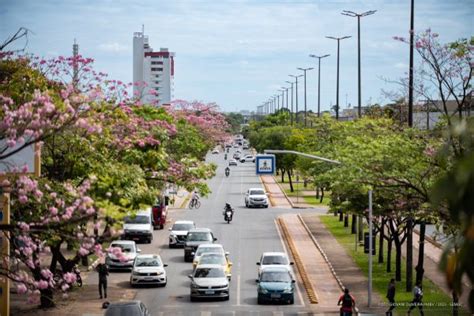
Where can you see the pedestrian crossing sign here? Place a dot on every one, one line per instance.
(265, 164)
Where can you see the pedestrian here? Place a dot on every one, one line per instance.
(391, 297)
(348, 303)
(103, 273)
(417, 298)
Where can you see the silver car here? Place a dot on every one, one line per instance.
(209, 281)
(129, 250)
(256, 197)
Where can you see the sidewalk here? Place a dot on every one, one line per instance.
(277, 197)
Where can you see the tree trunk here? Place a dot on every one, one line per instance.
(305, 183)
(381, 238)
(398, 260)
(346, 220)
(389, 255)
(354, 224)
(322, 195)
(46, 298)
(341, 216)
(421, 254)
(317, 192)
(291, 182)
(409, 255)
(361, 228)
(283, 176)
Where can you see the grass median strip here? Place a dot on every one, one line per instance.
(436, 302)
(312, 296)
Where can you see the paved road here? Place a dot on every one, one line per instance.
(252, 232)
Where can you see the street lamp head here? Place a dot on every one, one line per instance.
(289, 82)
(353, 14)
(320, 57)
(305, 69)
(338, 38)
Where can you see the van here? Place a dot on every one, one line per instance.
(138, 226)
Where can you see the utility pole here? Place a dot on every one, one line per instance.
(338, 39)
(353, 14)
(291, 112)
(319, 80)
(296, 92)
(305, 108)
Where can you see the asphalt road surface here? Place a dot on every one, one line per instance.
(251, 232)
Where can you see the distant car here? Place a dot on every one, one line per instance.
(245, 147)
(228, 145)
(256, 197)
(236, 156)
(215, 151)
(209, 281)
(247, 158)
(131, 308)
(148, 269)
(232, 162)
(179, 232)
(276, 284)
(217, 258)
(130, 251)
(207, 248)
(195, 238)
(273, 259)
(236, 145)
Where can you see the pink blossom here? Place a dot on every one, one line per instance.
(69, 277)
(21, 288)
(42, 285)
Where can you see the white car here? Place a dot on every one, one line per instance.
(129, 250)
(148, 269)
(232, 162)
(215, 151)
(139, 226)
(274, 259)
(247, 158)
(256, 197)
(209, 281)
(178, 233)
(207, 248)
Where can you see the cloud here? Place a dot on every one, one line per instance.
(113, 47)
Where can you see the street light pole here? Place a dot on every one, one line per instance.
(304, 70)
(319, 80)
(338, 39)
(296, 93)
(291, 112)
(358, 15)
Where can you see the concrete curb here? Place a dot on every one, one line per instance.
(266, 190)
(312, 295)
(284, 193)
(185, 201)
(316, 243)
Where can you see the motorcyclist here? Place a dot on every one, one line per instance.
(227, 208)
(227, 171)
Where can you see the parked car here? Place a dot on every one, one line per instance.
(276, 285)
(228, 145)
(256, 197)
(207, 248)
(178, 233)
(129, 250)
(232, 162)
(138, 226)
(209, 281)
(247, 158)
(273, 259)
(217, 258)
(148, 269)
(245, 147)
(130, 308)
(194, 238)
(215, 151)
(236, 156)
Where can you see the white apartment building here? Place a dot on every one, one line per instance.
(153, 72)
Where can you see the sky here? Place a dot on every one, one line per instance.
(239, 53)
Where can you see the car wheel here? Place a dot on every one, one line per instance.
(292, 300)
(170, 246)
(227, 298)
(266, 206)
(162, 226)
(259, 300)
(193, 299)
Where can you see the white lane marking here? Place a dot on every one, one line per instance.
(205, 313)
(286, 251)
(278, 313)
(238, 290)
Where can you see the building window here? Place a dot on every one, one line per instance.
(156, 69)
(157, 63)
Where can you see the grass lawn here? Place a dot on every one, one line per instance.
(309, 196)
(435, 300)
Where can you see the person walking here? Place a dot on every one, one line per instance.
(103, 273)
(348, 303)
(391, 297)
(417, 299)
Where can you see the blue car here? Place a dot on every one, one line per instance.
(275, 284)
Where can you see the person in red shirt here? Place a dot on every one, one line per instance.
(348, 303)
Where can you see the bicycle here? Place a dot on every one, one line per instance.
(194, 203)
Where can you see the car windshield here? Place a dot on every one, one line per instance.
(124, 247)
(257, 192)
(202, 250)
(148, 262)
(123, 310)
(139, 219)
(272, 276)
(274, 260)
(209, 273)
(199, 237)
(185, 227)
(212, 259)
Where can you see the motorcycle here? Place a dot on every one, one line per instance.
(225, 157)
(228, 213)
(227, 171)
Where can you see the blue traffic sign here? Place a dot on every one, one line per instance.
(265, 164)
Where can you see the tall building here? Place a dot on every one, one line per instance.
(153, 72)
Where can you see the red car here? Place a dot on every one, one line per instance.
(160, 212)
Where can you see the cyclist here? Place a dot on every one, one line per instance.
(194, 198)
